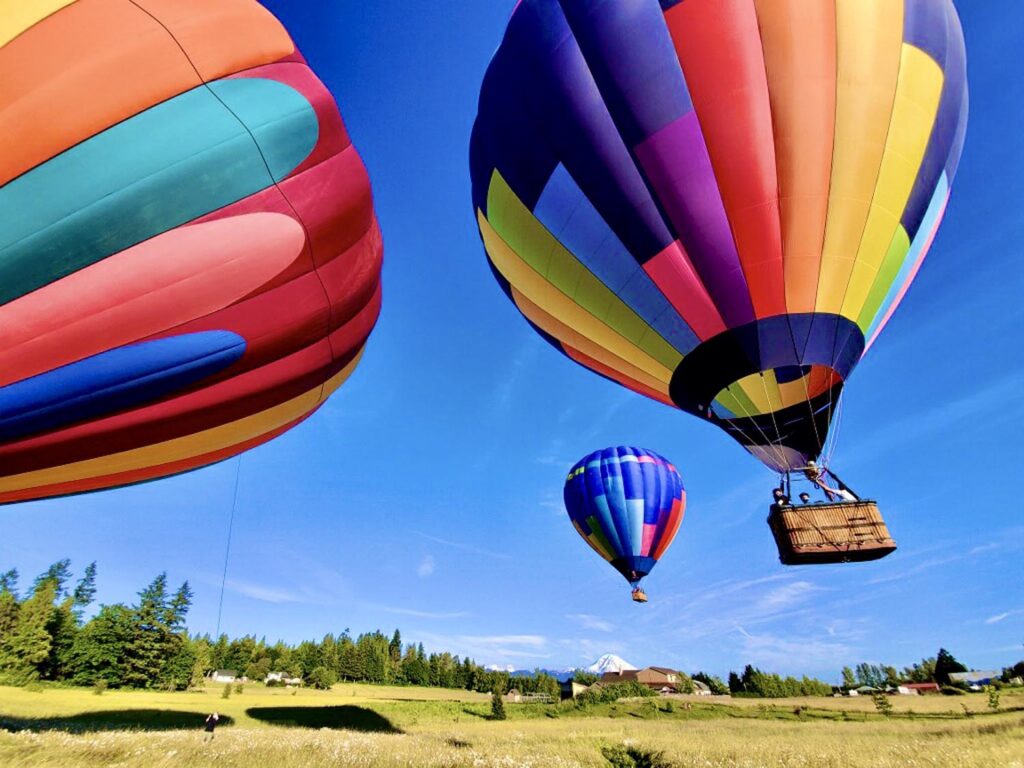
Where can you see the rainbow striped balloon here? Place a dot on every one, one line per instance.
(720, 203)
(189, 256)
(627, 504)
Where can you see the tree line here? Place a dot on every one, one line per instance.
(768, 685)
(44, 636)
(936, 669)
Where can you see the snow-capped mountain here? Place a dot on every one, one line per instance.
(609, 663)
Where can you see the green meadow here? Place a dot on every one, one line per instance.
(364, 725)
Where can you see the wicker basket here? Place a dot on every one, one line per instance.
(830, 533)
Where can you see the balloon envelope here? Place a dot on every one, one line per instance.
(719, 203)
(189, 257)
(627, 504)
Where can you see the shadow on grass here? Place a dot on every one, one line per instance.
(343, 718)
(119, 720)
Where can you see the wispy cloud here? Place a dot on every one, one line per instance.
(426, 567)
(787, 595)
(935, 562)
(519, 650)
(264, 593)
(999, 617)
(464, 547)
(587, 621)
(280, 594)
(417, 613)
(1000, 395)
(776, 651)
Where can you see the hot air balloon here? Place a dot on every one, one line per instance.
(627, 504)
(189, 256)
(720, 203)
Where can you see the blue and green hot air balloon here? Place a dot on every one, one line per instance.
(627, 504)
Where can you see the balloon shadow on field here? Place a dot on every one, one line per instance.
(114, 720)
(341, 718)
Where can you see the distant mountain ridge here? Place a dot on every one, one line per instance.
(607, 663)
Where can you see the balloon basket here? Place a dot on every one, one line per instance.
(639, 596)
(817, 534)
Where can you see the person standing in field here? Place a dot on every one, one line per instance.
(211, 724)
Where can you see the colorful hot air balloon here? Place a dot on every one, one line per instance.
(189, 257)
(627, 504)
(720, 203)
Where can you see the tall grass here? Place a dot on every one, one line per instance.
(457, 733)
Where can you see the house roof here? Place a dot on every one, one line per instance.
(920, 685)
(701, 686)
(664, 670)
(626, 675)
(225, 672)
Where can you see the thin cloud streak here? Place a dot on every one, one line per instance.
(587, 621)
(464, 547)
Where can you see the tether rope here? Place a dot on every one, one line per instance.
(227, 549)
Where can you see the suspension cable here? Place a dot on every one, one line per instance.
(227, 548)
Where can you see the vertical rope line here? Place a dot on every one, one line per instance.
(227, 549)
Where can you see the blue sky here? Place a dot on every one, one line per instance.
(427, 493)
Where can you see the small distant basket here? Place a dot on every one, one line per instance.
(815, 534)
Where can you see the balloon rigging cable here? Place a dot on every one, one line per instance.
(227, 549)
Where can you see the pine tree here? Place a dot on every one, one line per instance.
(202, 663)
(497, 704)
(85, 590)
(330, 655)
(28, 644)
(9, 607)
(945, 665)
(58, 574)
(62, 627)
(395, 648)
(177, 609)
(9, 582)
(735, 683)
(147, 651)
(849, 681)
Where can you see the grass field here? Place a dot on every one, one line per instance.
(362, 725)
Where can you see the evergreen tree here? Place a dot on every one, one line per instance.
(85, 590)
(945, 665)
(849, 681)
(179, 666)
(147, 651)
(395, 648)
(9, 607)
(201, 663)
(99, 652)
(177, 608)
(58, 574)
(27, 646)
(63, 628)
(735, 683)
(330, 655)
(349, 662)
(497, 704)
(892, 676)
(9, 582)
